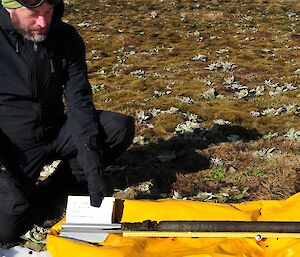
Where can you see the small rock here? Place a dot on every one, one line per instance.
(232, 169)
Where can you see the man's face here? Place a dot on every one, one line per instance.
(33, 24)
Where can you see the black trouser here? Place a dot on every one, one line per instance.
(117, 132)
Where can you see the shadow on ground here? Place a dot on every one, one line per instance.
(161, 161)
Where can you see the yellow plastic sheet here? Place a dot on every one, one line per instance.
(140, 210)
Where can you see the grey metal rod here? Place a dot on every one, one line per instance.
(215, 226)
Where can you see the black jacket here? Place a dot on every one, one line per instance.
(33, 80)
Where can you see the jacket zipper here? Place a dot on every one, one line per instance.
(32, 69)
(30, 52)
(35, 46)
(17, 47)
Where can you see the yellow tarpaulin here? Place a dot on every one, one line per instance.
(157, 210)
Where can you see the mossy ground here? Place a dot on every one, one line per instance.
(146, 54)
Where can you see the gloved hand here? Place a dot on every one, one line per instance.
(97, 186)
(92, 162)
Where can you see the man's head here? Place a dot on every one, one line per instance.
(31, 18)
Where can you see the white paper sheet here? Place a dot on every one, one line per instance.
(80, 211)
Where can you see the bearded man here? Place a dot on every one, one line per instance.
(46, 110)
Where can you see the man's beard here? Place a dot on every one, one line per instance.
(28, 34)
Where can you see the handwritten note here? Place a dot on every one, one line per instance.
(80, 211)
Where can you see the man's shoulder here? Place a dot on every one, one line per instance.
(67, 28)
(65, 38)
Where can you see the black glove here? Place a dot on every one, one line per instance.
(13, 200)
(92, 163)
(97, 186)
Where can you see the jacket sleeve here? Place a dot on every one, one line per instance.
(78, 94)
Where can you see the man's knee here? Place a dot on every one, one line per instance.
(125, 135)
(126, 129)
(118, 134)
(121, 129)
